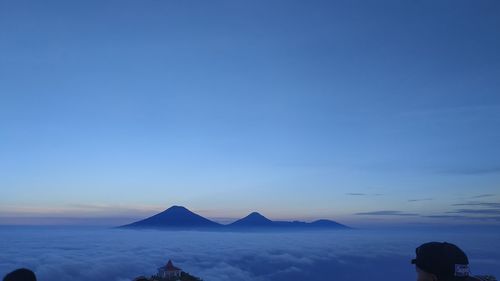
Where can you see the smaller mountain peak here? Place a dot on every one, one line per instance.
(256, 216)
(252, 220)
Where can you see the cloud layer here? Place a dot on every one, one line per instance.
(79, 254)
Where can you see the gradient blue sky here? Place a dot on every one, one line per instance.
(360, 111)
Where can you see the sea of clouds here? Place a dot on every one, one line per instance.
(85, 253)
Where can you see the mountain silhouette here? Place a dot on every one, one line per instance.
(318, 224)
(174, 217)
(252, 220)
(258, 221)
(326, 223)
(178, 217)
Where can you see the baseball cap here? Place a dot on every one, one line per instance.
(445, 260)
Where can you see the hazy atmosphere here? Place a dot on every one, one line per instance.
(298, 110)
(374, 115)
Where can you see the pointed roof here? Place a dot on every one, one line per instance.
(170, 266)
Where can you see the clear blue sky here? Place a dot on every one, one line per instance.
(359, 111)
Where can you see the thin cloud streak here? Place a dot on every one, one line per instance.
(364, 194)
(418, 200)
(386, 213)
(477, 211)
(471, 171)
(463, 217)
(78, 210)
(482, 204)
(482, 196)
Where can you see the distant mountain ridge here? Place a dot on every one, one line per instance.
(179, 217)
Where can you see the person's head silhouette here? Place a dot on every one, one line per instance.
(436, 261)
(21, 274)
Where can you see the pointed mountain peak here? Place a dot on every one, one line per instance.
(256, 215)
(175, 216)
(253, 219)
